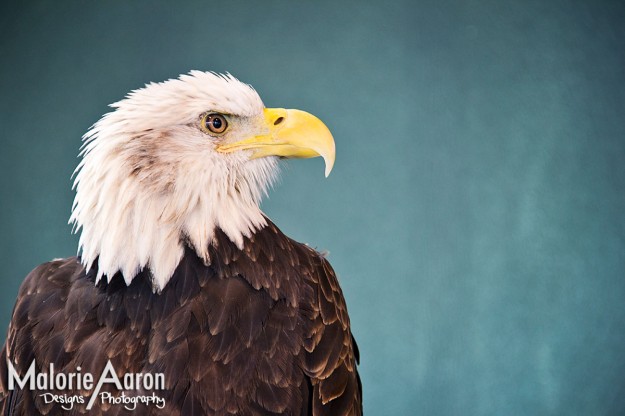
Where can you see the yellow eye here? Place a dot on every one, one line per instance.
(214, 123)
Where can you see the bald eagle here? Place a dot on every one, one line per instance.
(180, 275)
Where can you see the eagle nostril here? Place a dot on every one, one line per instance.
(278, 121)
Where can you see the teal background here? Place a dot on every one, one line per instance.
(476, 212)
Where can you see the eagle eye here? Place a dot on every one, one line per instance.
(214, 123)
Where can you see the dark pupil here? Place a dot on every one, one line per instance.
(216, 123)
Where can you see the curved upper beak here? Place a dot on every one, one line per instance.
(290, 134)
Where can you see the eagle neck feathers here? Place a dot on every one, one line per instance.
(130, 221)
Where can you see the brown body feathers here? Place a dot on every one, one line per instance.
(259, 331)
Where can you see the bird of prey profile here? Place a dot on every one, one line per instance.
(181, 275)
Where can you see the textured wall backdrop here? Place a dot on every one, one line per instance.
(476, 213)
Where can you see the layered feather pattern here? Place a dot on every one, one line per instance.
(262, 330)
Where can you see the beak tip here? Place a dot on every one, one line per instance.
(329, 166)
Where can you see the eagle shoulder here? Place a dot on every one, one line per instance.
(38, 327)
(330, 355)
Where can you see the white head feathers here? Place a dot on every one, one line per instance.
(150, 178)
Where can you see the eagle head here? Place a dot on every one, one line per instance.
(176, 160)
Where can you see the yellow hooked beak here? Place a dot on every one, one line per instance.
(291, 134)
